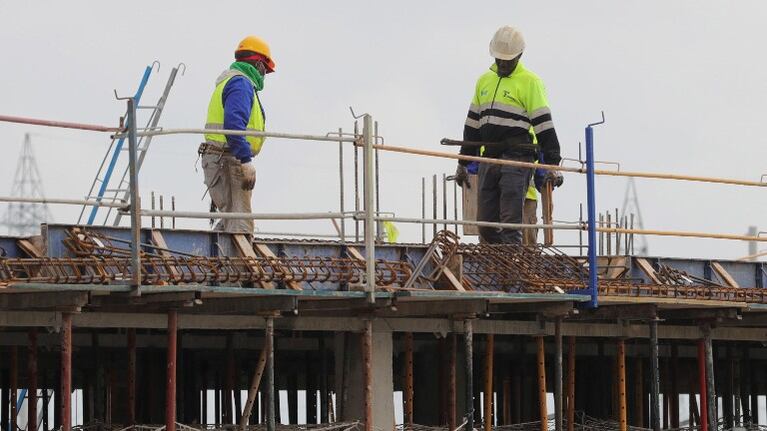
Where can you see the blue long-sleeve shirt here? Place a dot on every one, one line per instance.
(238, 102)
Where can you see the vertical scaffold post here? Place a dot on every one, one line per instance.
(131, 376)
(341, 191)
(367, 357)
(558, 375)
(623, 417)
(452, 385)
(269, 346)
(488, 401)
(32, 380)
(541, 359)
(702, 385)
(369, 199)
(65, 403)
(409, 385)
(710, 388)
(592, 211)
(170, 379)
(655, 378)
(135, 201)
(570, 383)
(469, 349)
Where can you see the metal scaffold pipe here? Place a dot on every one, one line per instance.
(51, 201)
(369, 200)
(58, 124)
(254, 216)
(265, 134)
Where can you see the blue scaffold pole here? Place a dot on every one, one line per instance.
(118, 149)
(592, 212)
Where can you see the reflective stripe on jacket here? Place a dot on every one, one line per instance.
(216, 113)
(508, 107)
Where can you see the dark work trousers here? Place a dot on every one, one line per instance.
(501, 197)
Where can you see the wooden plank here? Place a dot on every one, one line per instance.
(547, 200)
(469, 205)
(28, 247)
(719, 269)
(447, 278)
(265, 251)
(618, 267)
(647, 268)
(246, 249)
(159, 241)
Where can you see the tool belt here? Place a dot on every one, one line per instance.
(212, 148)
(515, 146)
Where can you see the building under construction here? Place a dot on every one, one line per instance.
(148, 326)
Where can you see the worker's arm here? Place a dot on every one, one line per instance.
(543, 126)
(238, 102)
(471, 130)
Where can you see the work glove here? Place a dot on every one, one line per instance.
(462, 176)
(248, 176)
(554, 177)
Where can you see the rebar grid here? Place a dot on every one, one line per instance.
(520, 269)
(200, 269)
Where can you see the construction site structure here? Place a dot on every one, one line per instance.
(196, 329)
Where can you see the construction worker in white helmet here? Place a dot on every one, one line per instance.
(510, 115)
(227, 160)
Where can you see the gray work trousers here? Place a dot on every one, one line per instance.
(500, 198)
(223, 176)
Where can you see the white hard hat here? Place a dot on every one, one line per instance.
(507, 43)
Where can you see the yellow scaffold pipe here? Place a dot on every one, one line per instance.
(682, 234)
(659, 176)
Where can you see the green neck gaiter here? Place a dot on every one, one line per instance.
(251, 72)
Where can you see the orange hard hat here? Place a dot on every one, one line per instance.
(255, 45)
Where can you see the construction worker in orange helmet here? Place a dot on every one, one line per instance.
(227, 160)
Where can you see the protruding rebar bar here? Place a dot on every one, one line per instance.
(622, 413)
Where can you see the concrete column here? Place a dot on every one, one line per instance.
(383, 379)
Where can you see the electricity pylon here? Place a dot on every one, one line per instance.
(24, 218)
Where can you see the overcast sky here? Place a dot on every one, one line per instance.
(681, 83)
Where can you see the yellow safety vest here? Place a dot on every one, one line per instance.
(216, 115)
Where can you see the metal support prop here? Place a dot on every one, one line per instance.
(623, 419)
(269, 346)
(14, 383)
(255, 382)
(541, 359)
(131, 417)
(135, 202)
(452, 392)
(65, 402)
(558, 375)
(170, 387)
(341, 184)
(710, 388)
(32, 380)
(469, 348)
(409, 386)
(570, 383)
(367, 358)
(488, 401)
(369, 199)
(655, 378)
(592, 211)
(702, 385)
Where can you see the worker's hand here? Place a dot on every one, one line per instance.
(555, 178)
(248, 176)
(462, 176)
